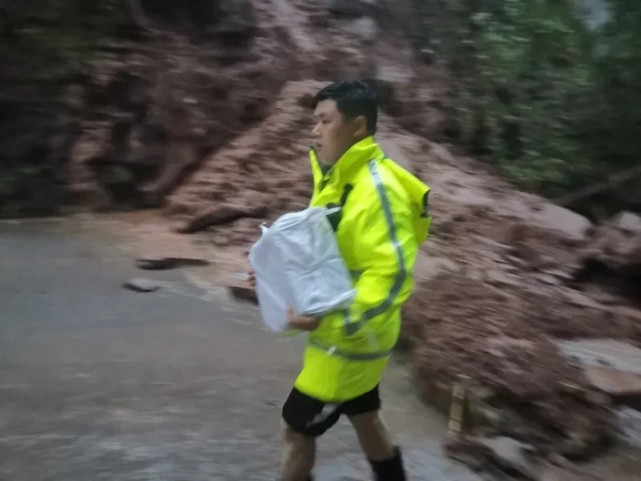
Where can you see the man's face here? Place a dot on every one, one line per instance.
(333, 135)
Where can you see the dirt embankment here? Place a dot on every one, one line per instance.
(151, 111)
(499, 281)
(505, 275)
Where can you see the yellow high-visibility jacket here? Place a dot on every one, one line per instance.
(379, 229)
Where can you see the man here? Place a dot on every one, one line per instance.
(382, 222)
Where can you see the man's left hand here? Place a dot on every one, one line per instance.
(302, 323)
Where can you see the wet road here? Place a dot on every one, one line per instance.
(99, 383)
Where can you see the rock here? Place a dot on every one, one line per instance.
(463, 450)
(319, 19)
(607, 299)
(237, 22)
(482, 415)
(574, 227)
(529, 254)
(221, 240)
(581, 300)
(629, 421)
(226, 16)
(428, 56)
(548, 279)
(498, 278)
(516, 233)
(613, 257)
(550, 472)
(506, 266)
(512, 456)
(141, 285)
(573, 389)
(612, 367)
(517, 262)
(163, 262)
(448, 224)
(243, 292)
(240, 288)
(622, 387)
(492, 245)
(474, 273)
(578, 445)
(616, 354)
(189, 261)
(348, 8)
(628, 312)
(364, 28)
(597, 398)
(155, 263)
(628, 222)
(221, 214)
(559, 274)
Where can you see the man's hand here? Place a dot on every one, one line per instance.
(302, 323)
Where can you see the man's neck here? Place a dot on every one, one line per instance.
(347, 150)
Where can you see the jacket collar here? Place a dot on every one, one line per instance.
(353, 159)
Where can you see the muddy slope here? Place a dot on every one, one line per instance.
(496, 282)
(154, 110)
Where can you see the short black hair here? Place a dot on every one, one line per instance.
(353, 98)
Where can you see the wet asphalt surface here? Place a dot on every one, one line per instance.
(101, 383)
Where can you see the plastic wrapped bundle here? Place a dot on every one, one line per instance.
(297, 263)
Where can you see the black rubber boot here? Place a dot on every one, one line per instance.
(389, 469)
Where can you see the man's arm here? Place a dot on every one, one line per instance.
(384, 244)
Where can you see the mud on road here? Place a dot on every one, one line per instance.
(98, 382)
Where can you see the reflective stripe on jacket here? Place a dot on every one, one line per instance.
(379, 229)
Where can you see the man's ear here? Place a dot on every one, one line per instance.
(360, 127)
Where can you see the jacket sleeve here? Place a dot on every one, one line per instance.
(383, 244)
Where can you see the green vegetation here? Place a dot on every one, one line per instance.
(554, 104)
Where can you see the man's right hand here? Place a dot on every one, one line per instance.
(302, 323)
(251, 278)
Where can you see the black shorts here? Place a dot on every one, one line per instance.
(312, 417)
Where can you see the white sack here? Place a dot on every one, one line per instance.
(297, 263)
